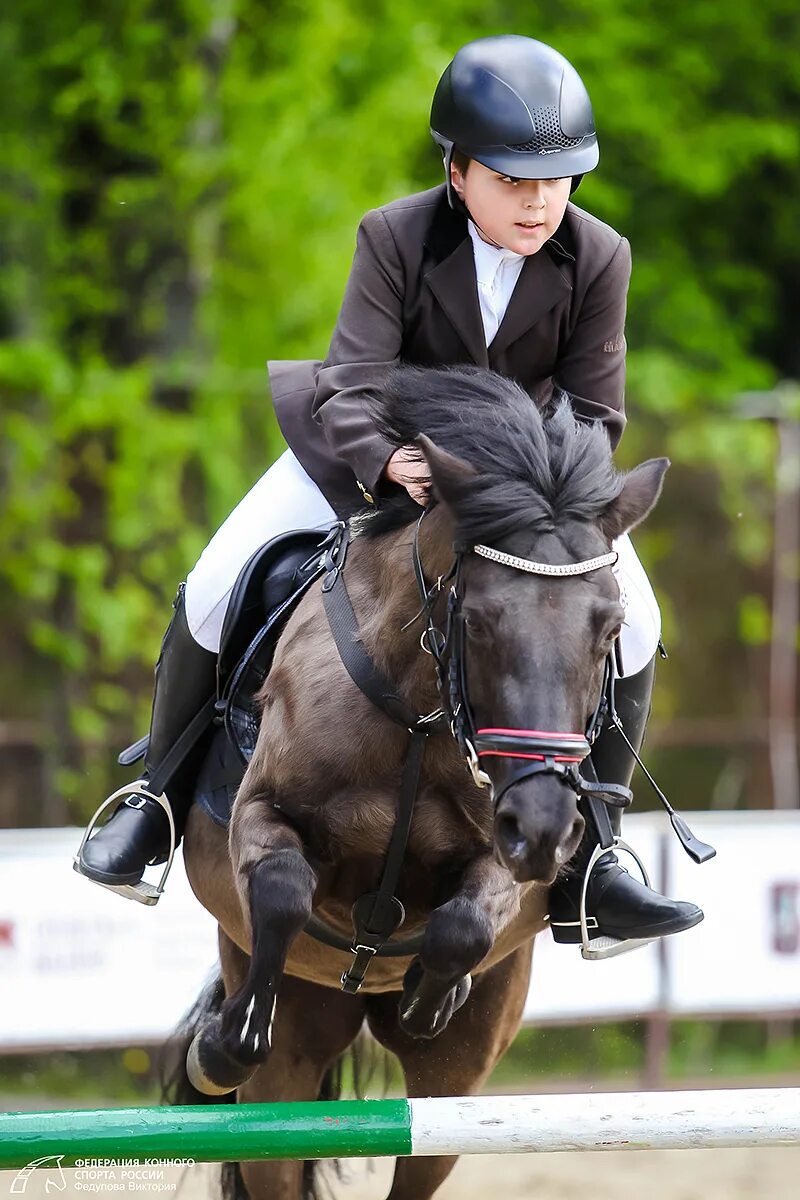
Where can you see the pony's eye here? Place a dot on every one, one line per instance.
(476, 625)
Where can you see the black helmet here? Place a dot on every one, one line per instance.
(518, 107)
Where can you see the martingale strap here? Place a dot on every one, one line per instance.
(379, 914)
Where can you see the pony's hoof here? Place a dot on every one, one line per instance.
(424, 1017)
(210, 1070)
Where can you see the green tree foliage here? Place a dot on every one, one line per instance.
(180, 190)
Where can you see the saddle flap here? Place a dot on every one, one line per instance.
(266, 580)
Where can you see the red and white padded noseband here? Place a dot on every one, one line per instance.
(532, 744)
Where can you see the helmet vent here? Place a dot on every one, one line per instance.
(548, 138)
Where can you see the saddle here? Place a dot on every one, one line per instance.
(268, 589)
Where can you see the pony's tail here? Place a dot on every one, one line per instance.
(173, 1078)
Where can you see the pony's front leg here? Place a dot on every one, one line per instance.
(276, 887)
(459, 936)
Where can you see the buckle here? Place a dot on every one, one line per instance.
(335, 555)
(139, 803)
(479, 776)
(353, 978)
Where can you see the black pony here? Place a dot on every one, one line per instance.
(316, 810)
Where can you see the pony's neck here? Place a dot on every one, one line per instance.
(382, 584)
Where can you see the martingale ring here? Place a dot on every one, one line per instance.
(537, 568)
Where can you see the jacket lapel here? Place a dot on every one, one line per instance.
(452, 278)
(455, 286)
(541, 285)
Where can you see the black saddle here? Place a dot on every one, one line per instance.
(266, 592)
(269, 584)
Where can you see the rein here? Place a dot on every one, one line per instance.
(378, 915)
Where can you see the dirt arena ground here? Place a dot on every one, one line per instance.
(752, 1174)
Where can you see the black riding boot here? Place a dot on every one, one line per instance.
(138, 832)
(617, 904)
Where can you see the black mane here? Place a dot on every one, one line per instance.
(534, 469)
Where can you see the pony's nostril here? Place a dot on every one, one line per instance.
(509, 833)
(576, 830)
(569, 843)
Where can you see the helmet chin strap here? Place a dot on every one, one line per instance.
(490, 241)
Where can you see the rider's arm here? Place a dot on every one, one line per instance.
(365, 344)
(592, 367)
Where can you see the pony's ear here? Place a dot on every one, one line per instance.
(449, 474)
(638, 497)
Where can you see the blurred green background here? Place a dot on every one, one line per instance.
(181, 186)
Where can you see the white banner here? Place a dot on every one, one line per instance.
(83, 967)
(745, 957)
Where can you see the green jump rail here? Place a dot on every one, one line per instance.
(377, 1128)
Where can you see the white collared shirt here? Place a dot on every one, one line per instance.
(497, 271)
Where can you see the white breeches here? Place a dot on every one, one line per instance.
(284, 498)
(287, 498)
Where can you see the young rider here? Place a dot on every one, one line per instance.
(494, 267)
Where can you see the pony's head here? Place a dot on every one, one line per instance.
(540, 487)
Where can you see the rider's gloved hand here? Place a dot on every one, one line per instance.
(408, 468)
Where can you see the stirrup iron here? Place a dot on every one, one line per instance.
(143, 892)
(608, 947)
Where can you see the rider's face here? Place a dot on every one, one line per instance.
(518, 214)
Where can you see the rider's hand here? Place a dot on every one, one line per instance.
(409, 469)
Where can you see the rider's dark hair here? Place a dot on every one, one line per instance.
(461, 160)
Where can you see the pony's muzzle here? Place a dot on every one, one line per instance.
(537, 829)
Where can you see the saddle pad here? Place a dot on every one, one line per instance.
(218, 779)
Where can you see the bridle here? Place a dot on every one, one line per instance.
(378, 915)
(542, 752)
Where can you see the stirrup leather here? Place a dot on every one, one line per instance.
(143, 892)
(608, 947)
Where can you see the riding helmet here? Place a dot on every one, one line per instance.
(518, 107)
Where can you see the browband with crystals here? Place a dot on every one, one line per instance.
(537, 568)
